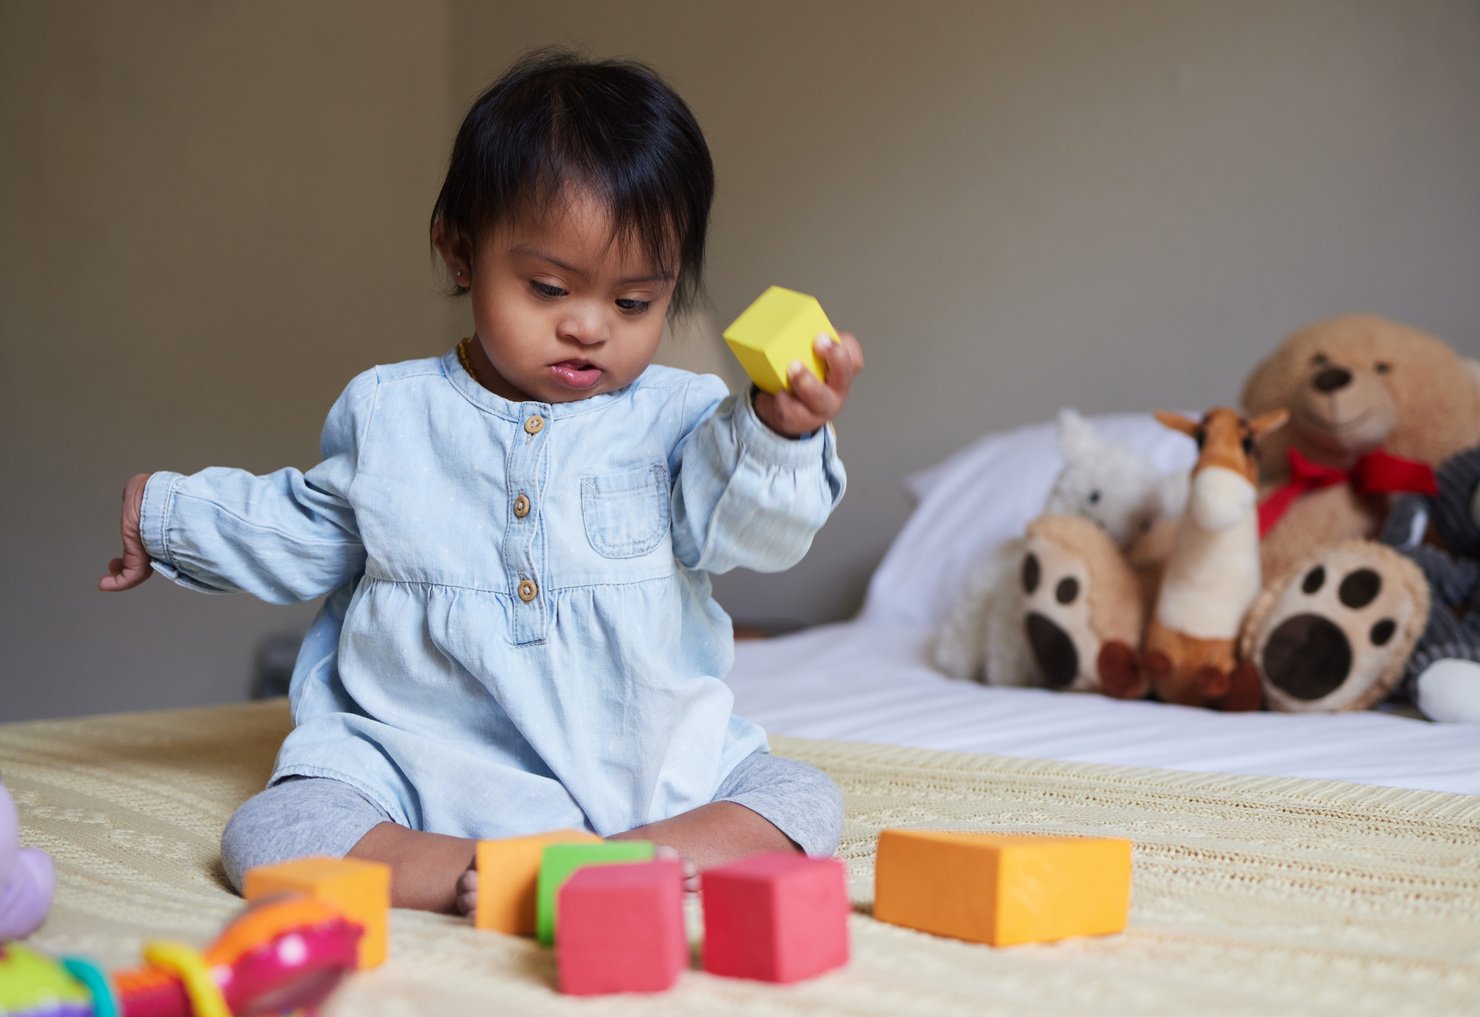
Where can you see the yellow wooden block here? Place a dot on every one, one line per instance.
(1002, 889)
(359, 890)
(777, 330)
(508, 873)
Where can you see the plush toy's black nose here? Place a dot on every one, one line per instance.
(1332, 378)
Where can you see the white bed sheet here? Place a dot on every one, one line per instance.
(863, 681)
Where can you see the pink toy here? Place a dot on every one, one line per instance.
(775, 917)
(622, 928)
(26, 878)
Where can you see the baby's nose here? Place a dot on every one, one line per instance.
(585, 328)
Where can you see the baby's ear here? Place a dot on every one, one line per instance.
(450, 246)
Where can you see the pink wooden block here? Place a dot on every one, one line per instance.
(775, 917)
(621, 928)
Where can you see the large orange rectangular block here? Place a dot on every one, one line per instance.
(360, 890)
(508, 872)
(1002, 889)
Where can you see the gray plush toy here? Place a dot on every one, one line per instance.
(1443, 673)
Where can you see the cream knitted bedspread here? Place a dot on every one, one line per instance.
(1251, 895)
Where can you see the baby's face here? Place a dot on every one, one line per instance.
(562, 310)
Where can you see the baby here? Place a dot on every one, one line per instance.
(515, 539)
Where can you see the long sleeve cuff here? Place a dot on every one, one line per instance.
(154, 522)
(758, 440)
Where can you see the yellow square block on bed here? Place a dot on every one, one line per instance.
(359, 890)
(508, 873)
(1002, 889)
(779, 328)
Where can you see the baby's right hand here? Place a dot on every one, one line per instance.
(133, 568)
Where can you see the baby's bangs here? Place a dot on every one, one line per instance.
(653, 176)
(642, 220)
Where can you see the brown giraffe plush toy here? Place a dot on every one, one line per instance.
(1209, 579)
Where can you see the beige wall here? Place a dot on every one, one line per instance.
(212, 215)
(1025, 204)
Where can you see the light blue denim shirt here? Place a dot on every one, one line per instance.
(519, 633)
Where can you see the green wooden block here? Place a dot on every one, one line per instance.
(559, 862)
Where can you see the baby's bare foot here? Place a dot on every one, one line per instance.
(467, 883)
(690, 873)
(467, 890)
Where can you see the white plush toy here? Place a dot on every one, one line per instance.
(982, 638)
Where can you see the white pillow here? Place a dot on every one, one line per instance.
(985, 494)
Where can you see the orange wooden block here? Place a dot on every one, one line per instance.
(361, 891)
(1002, 889)
(508, 873)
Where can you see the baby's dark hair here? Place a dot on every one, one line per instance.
(554, 121)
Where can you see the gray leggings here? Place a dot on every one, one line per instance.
(303, 816)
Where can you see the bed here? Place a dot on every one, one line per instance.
(1282, 864)
(871, 679)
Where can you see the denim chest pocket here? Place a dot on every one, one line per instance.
(626, 513)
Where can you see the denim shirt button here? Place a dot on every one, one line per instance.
(534, 425)
(528, 590)
(521, 507)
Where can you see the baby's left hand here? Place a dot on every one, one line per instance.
(811, 403)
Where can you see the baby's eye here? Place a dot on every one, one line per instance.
(545, 289)
(633, 307)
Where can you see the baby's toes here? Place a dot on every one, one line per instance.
(690, 871)
(467, 891)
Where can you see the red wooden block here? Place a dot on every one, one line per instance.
(621, 928)
(775, 917)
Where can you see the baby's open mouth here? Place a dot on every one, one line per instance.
(576, 374)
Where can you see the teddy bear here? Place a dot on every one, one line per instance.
(1373, 407)
(26, 878)
(1442, 677)
(1105, 485)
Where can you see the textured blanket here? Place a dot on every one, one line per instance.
(1251, 895)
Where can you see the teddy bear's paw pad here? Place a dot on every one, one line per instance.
(1056, 620)
(1336, 635)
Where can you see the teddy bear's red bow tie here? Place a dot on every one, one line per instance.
(1375, 473)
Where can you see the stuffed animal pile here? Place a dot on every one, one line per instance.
(1374, 408)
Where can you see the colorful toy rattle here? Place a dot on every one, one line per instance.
(278, 956)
